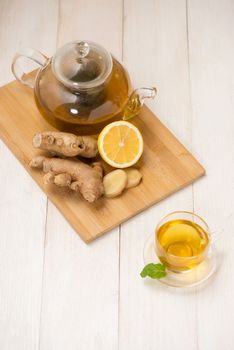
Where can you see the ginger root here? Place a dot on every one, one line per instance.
(61, 180)
(66, 144)
(72, 173)
(133, 177)
(117, 180)
(114, 183)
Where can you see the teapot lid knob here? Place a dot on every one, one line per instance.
(82, 49)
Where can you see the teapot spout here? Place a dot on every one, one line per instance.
(136, 101)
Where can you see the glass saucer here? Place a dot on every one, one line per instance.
(186, 279)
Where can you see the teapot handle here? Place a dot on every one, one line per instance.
(17, 70)
(136, 101)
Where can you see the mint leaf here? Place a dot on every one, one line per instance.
(155, 271)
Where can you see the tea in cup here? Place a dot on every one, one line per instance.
(182, 240)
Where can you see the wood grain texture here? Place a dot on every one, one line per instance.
(22, 203)
(152, 317)
(81, 282)
(92, 296)
(166, 165)
(211, 48)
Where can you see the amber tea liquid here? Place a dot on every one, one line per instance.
(84, 112)
(181, 244)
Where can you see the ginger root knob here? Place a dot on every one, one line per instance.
(72, 173)
(66, 144)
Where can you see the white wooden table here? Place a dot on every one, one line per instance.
(58, 293)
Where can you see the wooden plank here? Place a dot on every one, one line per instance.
(80, 300)
(20, 27)
(166, 165)
(211, 31)
(155, 52)
(23, 205)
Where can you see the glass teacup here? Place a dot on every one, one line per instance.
(182, 240)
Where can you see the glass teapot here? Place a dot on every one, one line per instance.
(81, 88)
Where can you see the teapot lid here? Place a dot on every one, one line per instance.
(82, 64)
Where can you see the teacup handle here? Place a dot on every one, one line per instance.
(30, 54)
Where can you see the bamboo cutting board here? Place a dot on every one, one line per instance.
(166, 165)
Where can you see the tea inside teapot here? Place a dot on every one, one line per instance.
(81, 88)
(80, 92)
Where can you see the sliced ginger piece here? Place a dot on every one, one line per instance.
(133, 177)
(114, 183)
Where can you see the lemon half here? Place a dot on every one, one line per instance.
(120, 144)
